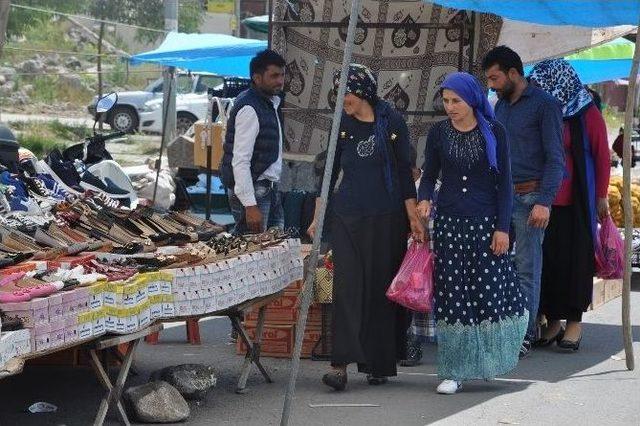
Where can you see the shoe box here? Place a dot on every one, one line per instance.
(14, 344)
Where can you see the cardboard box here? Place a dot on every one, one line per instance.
(277, 340)
(215, 139)
(311, 337)
(283, 310)
(612, 289)
(598, 296)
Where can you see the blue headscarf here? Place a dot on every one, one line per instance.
(469, 89)
(362, 83)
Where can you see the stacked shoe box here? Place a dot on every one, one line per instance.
(14, 344)
(217, 286)
(133, 304)
(281, 315)
(278, 333)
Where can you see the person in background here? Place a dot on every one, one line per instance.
(618, 148)
(480, 312)
(422, 328)
(533, 120)
(373, 212)
(252, 160)
(568, 264)
(597, 100)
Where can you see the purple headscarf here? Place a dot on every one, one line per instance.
(469, 89)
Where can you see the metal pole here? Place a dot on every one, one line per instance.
(307, 291)
(237, 17)
(627, 332)
(168, 95)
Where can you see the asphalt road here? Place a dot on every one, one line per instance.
(590, 387)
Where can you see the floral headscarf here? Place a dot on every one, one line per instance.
(360, 82)
(558, 78)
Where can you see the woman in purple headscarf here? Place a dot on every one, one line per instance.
(479, 311)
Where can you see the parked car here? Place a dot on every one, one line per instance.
(125, 116)
(190, 107)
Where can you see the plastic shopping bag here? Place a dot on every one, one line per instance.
(609, 251)
(413, 285)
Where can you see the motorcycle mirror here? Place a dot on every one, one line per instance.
(106, 102)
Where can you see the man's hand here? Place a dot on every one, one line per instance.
(500, 243)
(253, 217)
(539, 217)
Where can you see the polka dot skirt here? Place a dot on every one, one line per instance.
(472, 285)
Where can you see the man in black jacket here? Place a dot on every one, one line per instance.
(252, 160)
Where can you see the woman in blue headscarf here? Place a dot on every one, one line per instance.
(373, 211)
(479, 311)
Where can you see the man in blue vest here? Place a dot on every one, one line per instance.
(252, 160)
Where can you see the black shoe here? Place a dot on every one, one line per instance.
(414, 356)
(570, 345)
(542, 342)
(64, 170)
(525, 349)
(336, 380)
(93, 183)
(376, 380)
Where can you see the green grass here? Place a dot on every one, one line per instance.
(40, 138)
(39, 144)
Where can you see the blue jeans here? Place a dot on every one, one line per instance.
(269, 201)
(528, 256)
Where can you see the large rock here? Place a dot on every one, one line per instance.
(72, 81)
(31, 66)
(8, 72)
(157, 402)
(73, 63)
(191, 380)
(7, 88)
(53, 60)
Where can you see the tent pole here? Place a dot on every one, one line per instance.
(307, 291)
(628, 213)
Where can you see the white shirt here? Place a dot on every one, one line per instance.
(247, 129)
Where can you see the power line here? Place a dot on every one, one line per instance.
(85, 72)
(70, 15)
(62, 52)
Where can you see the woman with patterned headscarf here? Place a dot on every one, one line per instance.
(373, 211)
(568, 262)
(480, 313)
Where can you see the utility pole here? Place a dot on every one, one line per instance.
(168, 91)
(169, 96)
(237, 14)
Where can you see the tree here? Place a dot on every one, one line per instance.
(21, 20)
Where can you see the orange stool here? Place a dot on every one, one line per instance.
(193, 333)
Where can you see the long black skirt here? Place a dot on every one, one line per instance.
(567, 267)
(368, 328)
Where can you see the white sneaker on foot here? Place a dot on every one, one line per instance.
(449, 387)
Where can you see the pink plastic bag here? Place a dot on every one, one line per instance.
(609, 251)
(413, 285)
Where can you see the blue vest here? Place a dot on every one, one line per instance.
(267, 147)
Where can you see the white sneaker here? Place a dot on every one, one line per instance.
(449, 387)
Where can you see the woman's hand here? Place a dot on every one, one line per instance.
(603, 208)
(424, 210)
(500, 243)
(417, 230)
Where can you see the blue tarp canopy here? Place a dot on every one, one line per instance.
(585, 13)
(215, 53)
(609, 61)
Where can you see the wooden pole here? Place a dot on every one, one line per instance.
(627, 335)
